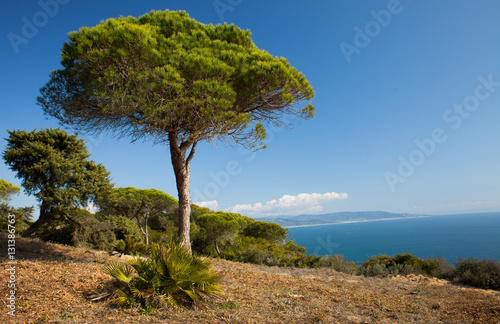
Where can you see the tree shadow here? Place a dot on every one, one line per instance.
(33, 249)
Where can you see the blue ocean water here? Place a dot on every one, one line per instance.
(449, 236)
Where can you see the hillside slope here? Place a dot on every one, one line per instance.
(56, 282)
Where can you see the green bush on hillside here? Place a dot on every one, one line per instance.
(478, 273)
(339, 263)
(123, 227)
(170, 276)
(405, 264)
(83, 229)
(260, 251)
(131, 247)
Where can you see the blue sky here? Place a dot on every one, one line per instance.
(407, 104)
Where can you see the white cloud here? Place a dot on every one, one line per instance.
(209, 204)
(290, 205)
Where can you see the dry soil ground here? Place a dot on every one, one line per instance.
(55, 284)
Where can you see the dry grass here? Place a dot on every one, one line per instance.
(56, 282)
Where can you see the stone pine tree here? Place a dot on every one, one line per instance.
(140, 204)
(220, 228)
(54, 167)
(170, 79)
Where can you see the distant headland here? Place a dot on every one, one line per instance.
(337, 218)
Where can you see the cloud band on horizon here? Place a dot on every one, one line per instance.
(288, 204)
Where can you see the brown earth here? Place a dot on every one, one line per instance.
(55, 284)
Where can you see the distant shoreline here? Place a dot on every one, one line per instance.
(356, 221)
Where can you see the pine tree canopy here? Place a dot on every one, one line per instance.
(166, 73)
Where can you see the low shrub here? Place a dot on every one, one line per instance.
(339, 263)
(83, 229)
(374, 270)
(438, 267)
(405, 264)
(131, 247)
(261, 251)
(171, 276)
(123, 227)
(478, 273)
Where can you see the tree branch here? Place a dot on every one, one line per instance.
(191, 154)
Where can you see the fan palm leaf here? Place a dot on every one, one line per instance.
(171, 274)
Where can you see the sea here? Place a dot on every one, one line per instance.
(449, 236)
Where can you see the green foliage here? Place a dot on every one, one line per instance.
(293, 247)
(164, 72)
(438, 267)
(54, 167)
(269, 231)
(339, 263)
(135, 203)
(198, 211)
(139, 204)
(406, 263)
(478, 273)
(375, 270)
(170, 78)
(218, 229)
(7, 189)
(131, 247)
(84, 229)
(170, 276)
(161, 223)
(123, 227)
(23, 217)
(260, 251)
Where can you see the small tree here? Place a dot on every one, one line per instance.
(269, 231)
(140, 204)
(169, 78)
(54, 167)
(220, 228)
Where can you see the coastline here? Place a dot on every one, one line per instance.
(357, 221)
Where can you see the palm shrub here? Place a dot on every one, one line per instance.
(170, 276)
(131, 247)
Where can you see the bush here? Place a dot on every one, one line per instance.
(339, 263)
(405, 264)
(478, 273)
(438, 267)
(82, 230)
(92, 233)
(374, 270)
(171, 276)
(123, 227)
(260, 251)
(131, 247)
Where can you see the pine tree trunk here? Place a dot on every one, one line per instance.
(184, 211)
(216, 247)
(44, 216)
(182, 170)
(146, 227)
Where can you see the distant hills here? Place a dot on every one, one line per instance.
(332, 218)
